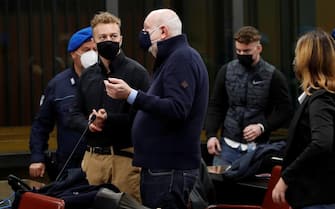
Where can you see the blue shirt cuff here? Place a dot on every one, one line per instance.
(132, 96)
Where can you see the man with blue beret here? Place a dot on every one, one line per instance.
(54, 108)
(333, 33)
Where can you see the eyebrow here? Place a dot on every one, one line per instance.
(108, 34)
(244, 50)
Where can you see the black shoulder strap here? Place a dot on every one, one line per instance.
(17, 184)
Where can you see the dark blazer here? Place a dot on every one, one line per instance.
(309, 164)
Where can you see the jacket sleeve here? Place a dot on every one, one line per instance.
(43, 124)
(319, 146)
(78, 120)
(177, 93)
(280, 108)
(218, 105)
(140, 81)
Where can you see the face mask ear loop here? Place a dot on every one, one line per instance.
(77, 53)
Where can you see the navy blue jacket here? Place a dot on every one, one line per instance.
(249, 163)
(54, 109)
(166, 129)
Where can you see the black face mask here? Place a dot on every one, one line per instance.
(108, 49)
(245, 59)
(145, 41)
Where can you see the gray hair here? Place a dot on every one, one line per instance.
(169, 18)
(175, 26)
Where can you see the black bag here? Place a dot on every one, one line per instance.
(73, 189)
(108, 199)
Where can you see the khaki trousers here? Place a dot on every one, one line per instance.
(114, 169)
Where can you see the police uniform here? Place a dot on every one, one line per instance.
(54, 106)
(54, 109)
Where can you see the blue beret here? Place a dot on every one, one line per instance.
(333, 33)
(78, 38)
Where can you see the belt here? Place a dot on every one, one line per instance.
(100, 150)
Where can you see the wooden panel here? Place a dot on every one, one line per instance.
(6, 189)
(15, 139)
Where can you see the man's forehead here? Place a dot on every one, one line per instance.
(243, 45)
(148, 23)
(106, 28)
(153, 19)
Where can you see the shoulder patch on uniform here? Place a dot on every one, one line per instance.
(72, 81)
(184, 84)
(42, 99)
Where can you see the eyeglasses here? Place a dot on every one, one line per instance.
(152, 31)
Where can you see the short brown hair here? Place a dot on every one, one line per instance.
(247, 35)
(105, 18)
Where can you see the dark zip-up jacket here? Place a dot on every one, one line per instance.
(92, 95)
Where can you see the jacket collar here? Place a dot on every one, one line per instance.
(167, 47)
(114, 64)
(74, 76)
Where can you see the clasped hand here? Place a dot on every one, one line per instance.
(251, 132)
(98, 124)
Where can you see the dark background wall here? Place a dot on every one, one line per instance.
(34, 36)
